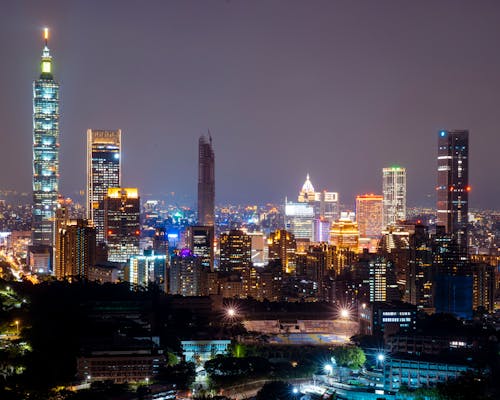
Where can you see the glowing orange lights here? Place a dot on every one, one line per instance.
(46, 33)
(468, 188)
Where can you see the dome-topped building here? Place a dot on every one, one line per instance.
(307, 194)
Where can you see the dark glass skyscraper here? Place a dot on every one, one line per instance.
(45, 150)
(103, 172)
(206, 182)
(122, 225)
(453, 185)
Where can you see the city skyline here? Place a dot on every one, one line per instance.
(287, 113)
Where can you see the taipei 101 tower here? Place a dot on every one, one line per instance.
(45, 150)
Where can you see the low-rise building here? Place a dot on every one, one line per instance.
(419, 373)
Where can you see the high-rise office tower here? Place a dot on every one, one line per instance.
(186, 274)
(378, 280)
(121, 223)
(419, 272)
(299, 220)
(200, 240)
(206, 181)
(235, 250)
(326, 204)
(394, 192)
(282, 248)
(453, 185)
(103, 172)
(369, 215)
(45, 150)
(75, 246)
(344, 235)
(146, 269)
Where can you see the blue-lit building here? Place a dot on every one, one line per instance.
(146, 269)
(45, 151)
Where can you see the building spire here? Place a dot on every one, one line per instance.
(46, 65)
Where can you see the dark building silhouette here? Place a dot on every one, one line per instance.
(206, 181)
(453, 185)
(419, 273)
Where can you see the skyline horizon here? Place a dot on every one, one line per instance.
(258, 162)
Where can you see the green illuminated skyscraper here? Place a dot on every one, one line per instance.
(45, 150)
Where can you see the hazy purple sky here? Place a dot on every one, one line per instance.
(337, 89)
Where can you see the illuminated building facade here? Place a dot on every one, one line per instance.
(325, 203)
(282, 246)
(394, 192)
(260, 253)
(147, 269)
(453, 185)
(186, 275)
(75, 246)
(206, 181)
(345, 233)
(299, 220)
(369, 215)
(378, 281)
(103, 172)
(200, 240)
(121, 222)
(235, 250)
(45, 151)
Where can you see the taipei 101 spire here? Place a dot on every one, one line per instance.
(45, 150)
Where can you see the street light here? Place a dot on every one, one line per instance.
(344, 313)
(380, 359)
(231, 312)
(17, 326)
(328, 369)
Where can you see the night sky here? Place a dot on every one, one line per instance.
(336, 89)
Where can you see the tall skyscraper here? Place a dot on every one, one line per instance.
(103, 172)
(206, 181)
(121, 223)
(369, 215)
(394, 192)
(45, 150)
(453, 185)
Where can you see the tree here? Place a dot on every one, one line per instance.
(277, 390)
(349, 356)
